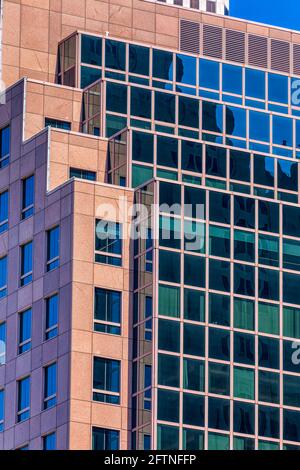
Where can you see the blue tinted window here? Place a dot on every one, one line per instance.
(115, 55)
(164, 107)
(3, 276)
(188, 112)
(235, 121)
(106, 383)
(268, 284)
(232, 79)
(268, 421)
(138, 59)
(244, 418)
(291, 425)
(107, 313)
(23, 399)
(116, 97)
(268, 352)
(52, 304)
(50, 386)
(287, 175)
(264, 170)
(255, 83)
(53, 248)
(259, 126)
(2, 343)
(278, 88)
(186, 69)
(89, 75)
(212, 117)
(162, 64)
(4, 146)
(219, 344)
(3, 211)
(244, 349)
(282, 131)
(27, 197)
(26, 263)
(49, 442)
(1, 410)
(218, 413)
(209, 74)
(108, 242)
(140, 102)
(105, 439)
(91, 50)
(25, 331)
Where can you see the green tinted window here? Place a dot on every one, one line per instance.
(169, 301)
(291, 322)
(244, 383)
(243, 314)
(268, 318)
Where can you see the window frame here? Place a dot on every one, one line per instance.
(55, 326)
(29, 208)
(103, 391)
(25, 410)
(47, 399)
(105, 254)
(26, 277)
(106, 323)
(22, 344)
(56, 259)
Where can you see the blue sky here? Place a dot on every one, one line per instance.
(285, 13)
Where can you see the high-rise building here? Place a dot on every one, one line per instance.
(160, 329)
(212, 6)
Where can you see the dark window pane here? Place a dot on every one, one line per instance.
(219, 275)
(244, 350)
(91, 50)
(212, 117)
(219, 207)
(116, 98)
(140, 102)
(287, 175)
(216, 161)
(291, 425)
(219, 309)
(169, 335)
(291, 390)
(168, 406)
(115, 54)
(194, 270)
(264, 170)
(268, 284)
(142, 147)
(168, 370)
(291, 221)
(193, 409)
(268, 216)
(162, 64)
(268, 352)
(244, 212)
(164, 107)
(268, 421)
(239, 165)
(244, 280)
(188, 112)
(218, 413)
(191, 156)
(194, 340)
(243, 418)
(219, 378)
(138, 59)
(219, 344)
(268, 387)
(168, 266)
(167, 152)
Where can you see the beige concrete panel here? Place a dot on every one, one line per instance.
(34, 34)
(82, 310)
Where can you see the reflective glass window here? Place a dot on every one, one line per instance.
(219, 241)
(282, 131)
(215, 161)
(291, 322)
(219, 309)
(268, 284)
(291, 254)
(264, 170)
(291, 390)
(142, 147)
(193, 409)
(167, 151)
(268, 318)
(291, 286)
(244, 383)
(255, 83)
(209, 74)
(218, 413)
(188, 112)
(212, 117)
(278, 88)
(239, 166)
(194, 375)
(287, 175)
(244, 280)
(167, 437)
(194, 305)
(219, 378)
(164, 107)
(194, 202)
(219, 344)
(115, 55)
(291, 425)
(91, 50)
(268, 421)
(219, 207)
(191, 156)
(168, 406)
(169, 301)
(138, 59)
(268, 250)
(291, 221)
(232, 79)
(168, 370)
(169, 335)
(243, 418)
(168, 266)
(268, 386)
(186, 69)
(235, 121)
(244, 349)
(244, 212)
(194, 236)
(268, 216)
(140, 102)
(193, 340)
(268, 352)
(259, 126)
(244, 246)
(243, 314)
(219, 275)
(116, 97)
(162, 64)
(194, 270)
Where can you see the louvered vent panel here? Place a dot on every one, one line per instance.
(280, 56)
(258, 51)
(296, 60)
(212, 41)
(190, 36)
(235, 46)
